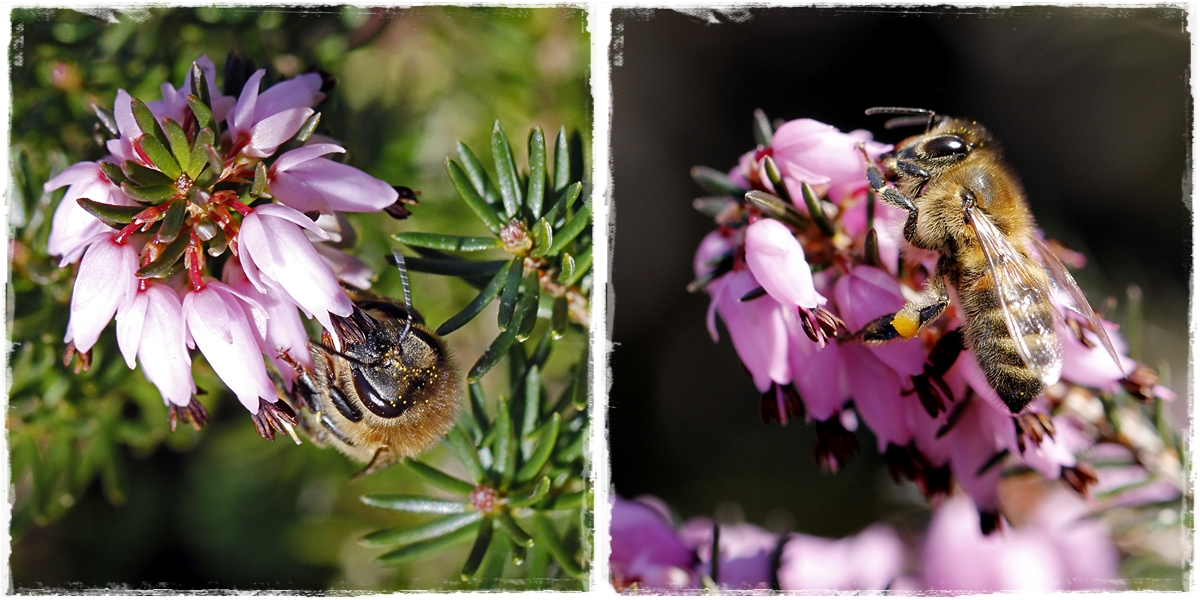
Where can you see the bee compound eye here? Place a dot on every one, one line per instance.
(945, 145)
(375, 401)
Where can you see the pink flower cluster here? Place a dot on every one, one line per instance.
(279, 265)
(790, 292)
(1057, 547)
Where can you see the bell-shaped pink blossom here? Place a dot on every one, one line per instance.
(870, 561)
(106, 282)
(304, 181)
(645, 549)
(217, 325)
(72, 226)
(810, 151)
(345, 267)
(745, 553)
(284, 330)
(277, 257)
(1093, 367)
(819, 374)
(152, 329)
(122, 147)
(757, 328)
(867, 293)
(264, 123)
(777, 261)
(716, 246)
(1056, 549)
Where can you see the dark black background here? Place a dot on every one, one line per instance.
(1094, 110)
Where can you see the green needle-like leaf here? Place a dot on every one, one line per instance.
(776, 178)
(477, 175)
(142, 175)
(259, 185)
(528, 318)
(150, 194)
(416, 504)
(475, 393)
(565, 501)
(543, 238)
(204, 116)
(514, 531)
(566, 198)
(716, 182)
(534, 496)
(510, 293)
(440, 478)
(562, 161)
(428, 547)
(409, 535)
(815, 210)
(775, 207)
(474, 200)
(147, 123)
(504, 447)
(559, 318)
(762, 128)
(173, 221)
(485, 297)
(545, 535)
(111, 214)
(541, 455)
(572, 229)
(582, 264)
(170, 255)
(159, 155)
(199, 156)
(453, 266)
(479, 550)
(506, 171)
(106, 119)
(536, 192)
(493, 354)
(712, 206)
(200, 85)
(179, 145)
(459, 444)
(533, 400)
(205, 178)
(453, 243)
(113, 172)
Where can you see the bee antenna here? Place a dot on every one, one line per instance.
(910, 116)
(400, 266)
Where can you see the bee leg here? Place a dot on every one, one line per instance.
(909, 320)
(888, 194)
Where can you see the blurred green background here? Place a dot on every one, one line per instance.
(103, 494)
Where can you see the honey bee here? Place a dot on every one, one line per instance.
(383, 387)
(967, 204)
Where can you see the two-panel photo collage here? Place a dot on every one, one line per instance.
(601, 299)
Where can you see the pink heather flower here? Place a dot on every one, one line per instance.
(757, 327)
(816, 153)
(304, 181)
(217, 325)
(284, 330)
(106, 282)
(345, 267)
(72, 226)
(1055, 550)
(278, 258)
(264, 122)
(122, 147)
(645, 549)
(745, 553)
(152, 329)
(777, 261)
(717, 245)
(1093, 367)
(173, 104)
(870, 560)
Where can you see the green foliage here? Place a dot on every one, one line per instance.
(524, 459)
(244, 511)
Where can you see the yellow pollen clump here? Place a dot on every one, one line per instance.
(907, 321)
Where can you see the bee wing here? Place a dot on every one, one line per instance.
(1068, 293)
(1023, 299)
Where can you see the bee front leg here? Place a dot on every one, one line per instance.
(909, 320)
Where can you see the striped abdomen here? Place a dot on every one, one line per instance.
(994, 332)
